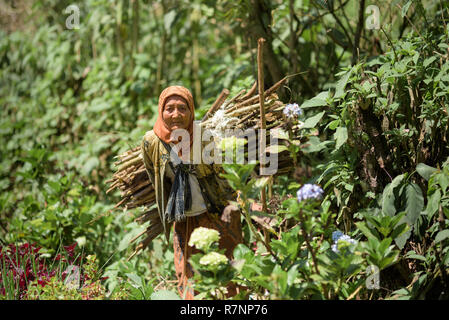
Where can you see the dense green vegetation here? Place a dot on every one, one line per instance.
(375, 102)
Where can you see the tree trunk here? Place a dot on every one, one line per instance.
(135, 35)
(195, 18)
(259, 27)
(161, 58)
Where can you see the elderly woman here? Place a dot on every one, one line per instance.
(187, 196)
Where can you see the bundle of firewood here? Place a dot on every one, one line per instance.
(241, 111)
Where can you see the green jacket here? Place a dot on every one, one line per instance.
(216, 190)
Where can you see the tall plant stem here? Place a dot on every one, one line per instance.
(254, 231)
(306, 238)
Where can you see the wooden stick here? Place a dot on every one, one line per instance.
(113, 186)
(268, 92)
(121, 202)
(250, 92)
(260, 75)
(245, 109)
(149, 215)
(217, 104)
(130, 163)
(129, 155)
(237, 97)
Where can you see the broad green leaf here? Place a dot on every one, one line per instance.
(135, 279)
(317, 101)
(314, 145)
(365, 230)
(443, 181)
(428, 61)
(443, 234)
(425, 171)
(433, 203)
(334, 124)
(313, 121)
(402, 239)
(384, 245)
(238, 264)
(400, 230)
(388, 197)
(341, 84)
(164, 295)
(340, 136)
(413, 255)
(415, 202)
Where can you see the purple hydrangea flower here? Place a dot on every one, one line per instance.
(292, 110)
(309, 191)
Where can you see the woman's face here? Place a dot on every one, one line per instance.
(176, 113)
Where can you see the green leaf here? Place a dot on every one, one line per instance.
(428, 61)
(365, 230)
(238, 264)
(444, 234)
(341, 85)
(413, 255)
(313, 121)
(276, 148)
(399, 230)
(334, 124)
(385, 243)
(388, 197)
(433, 203)
(415, 202)
(340, 136)
(402, 239)
(425, 171)
(317, 101)
(443, 181)
(314, 144)
(164, 295)
(135, 279)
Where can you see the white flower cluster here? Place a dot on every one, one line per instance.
(202, 238)
(213, 259)
(309, 191)
(292, 110)
(341, 240)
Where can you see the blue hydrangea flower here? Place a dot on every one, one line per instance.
(336, 235)
(292, 110)
(341, 241)
(309, 191)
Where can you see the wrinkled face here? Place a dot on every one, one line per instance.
(176, 113)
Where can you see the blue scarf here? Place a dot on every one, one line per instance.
(180, 198)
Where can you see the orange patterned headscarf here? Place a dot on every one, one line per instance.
(160, 127)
